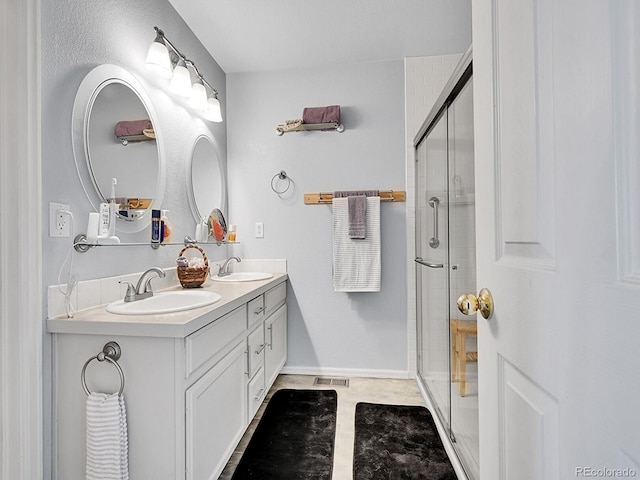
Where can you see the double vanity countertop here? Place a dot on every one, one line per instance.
(97, 321)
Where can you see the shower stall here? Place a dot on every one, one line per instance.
(446, 263)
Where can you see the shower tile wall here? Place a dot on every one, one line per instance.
(425, 78)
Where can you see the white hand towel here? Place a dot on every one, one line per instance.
(107, 440)
(356, 262)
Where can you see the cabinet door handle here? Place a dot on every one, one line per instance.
(260, 392)
(248, 367)
(260, 310)
(270, 328)
(260, 348)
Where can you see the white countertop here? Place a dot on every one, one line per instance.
(97, 321)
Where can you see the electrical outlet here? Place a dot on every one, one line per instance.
(259, 230)
(59, 220)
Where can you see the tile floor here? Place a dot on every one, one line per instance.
(391, 391)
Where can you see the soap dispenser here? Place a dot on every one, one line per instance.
(165, 227)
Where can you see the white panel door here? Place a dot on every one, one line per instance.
(557, 122)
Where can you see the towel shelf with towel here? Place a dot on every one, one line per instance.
(321, 198)
(314, 118)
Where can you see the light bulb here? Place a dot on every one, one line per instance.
(198, 99)
(213, 111)
(180, 83)
(158, 58)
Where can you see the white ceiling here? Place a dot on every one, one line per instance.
(262, 35)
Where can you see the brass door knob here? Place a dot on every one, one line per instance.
(469, 304)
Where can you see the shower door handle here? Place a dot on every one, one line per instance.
(428, 264)
(434, 241)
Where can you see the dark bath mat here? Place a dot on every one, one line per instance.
(398, 442)
(294, 438)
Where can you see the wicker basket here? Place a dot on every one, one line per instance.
(193, 277)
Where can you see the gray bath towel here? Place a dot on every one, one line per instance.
(357, 203)
(357, 216)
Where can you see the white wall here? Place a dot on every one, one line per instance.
(77, 36)
(355, 332)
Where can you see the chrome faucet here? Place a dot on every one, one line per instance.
(143, 288)
(223, 270)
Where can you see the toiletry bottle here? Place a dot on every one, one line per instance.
(165, 227)
(231, 237)
(112, 209)
(204, 231)
(198, 237)
(155, 226)
(92, 228)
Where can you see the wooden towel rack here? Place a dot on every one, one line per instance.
(324, 198)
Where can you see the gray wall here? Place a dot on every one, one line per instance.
(78, 35)
(327, 329)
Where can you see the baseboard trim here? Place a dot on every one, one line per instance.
(346, 372)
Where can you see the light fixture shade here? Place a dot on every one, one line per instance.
(198, 99)
(213, 111)
(180, 83)
(158, 58)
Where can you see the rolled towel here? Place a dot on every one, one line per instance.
(133, 127)
(290, 124)
(330, 114)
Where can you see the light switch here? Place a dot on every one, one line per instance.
(259, 230)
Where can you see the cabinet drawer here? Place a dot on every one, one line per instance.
(209, 342)
(274, 298)
(256, 346)
(255, 311)
(256, 391)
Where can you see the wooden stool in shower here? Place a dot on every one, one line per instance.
(460, 330)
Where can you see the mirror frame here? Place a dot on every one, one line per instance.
(92, 84)
(202, 133)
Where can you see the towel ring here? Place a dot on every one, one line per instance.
(282, 176)
(111, 353)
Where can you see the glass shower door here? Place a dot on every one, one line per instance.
(431, 267)
(462, 279)
(446, 268)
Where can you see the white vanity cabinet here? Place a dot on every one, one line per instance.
(216, 415)
(263, 312)
(275, 353)
(189, 399)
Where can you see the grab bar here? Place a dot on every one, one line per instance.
(434, 202)
(111, 353)
(428, 264)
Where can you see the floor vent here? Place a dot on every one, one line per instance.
(337, 382)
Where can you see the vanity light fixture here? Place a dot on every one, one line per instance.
(163, 57)
(198, 98)
(158, 57)
(180, 82)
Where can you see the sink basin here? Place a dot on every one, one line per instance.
(165, 302)
(242, 277)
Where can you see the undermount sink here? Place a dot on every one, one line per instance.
(165, 302)
(242, 277)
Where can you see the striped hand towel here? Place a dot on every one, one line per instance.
(356, 263)
(107, 440)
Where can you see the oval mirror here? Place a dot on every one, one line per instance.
(115, 135)
(205, 178)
